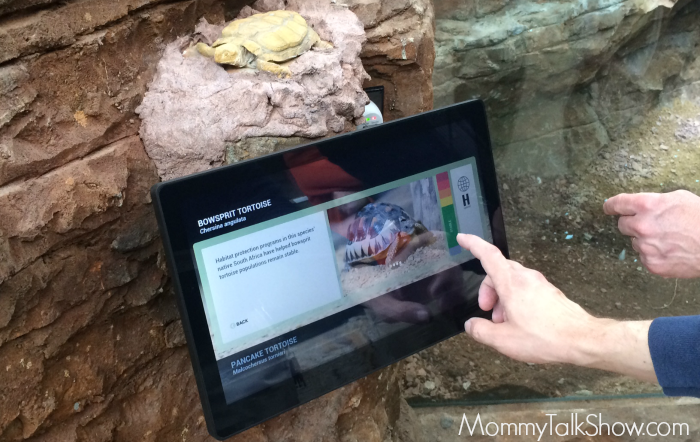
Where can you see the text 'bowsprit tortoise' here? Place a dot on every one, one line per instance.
(384, 234)
(263, 40)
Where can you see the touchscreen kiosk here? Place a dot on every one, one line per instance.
(304, 270)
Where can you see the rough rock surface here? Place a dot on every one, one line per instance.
(194, 107)
(91, 345)
(248, 148)
(560, 79)
(399, 53)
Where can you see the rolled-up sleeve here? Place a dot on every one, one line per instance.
(674, 344)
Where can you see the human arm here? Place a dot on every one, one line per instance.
(675, 350)
(533, 321)
(664, 228)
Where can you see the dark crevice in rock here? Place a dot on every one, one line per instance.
(233, 7)
(394, 14)
(20, 180)
(17, 8)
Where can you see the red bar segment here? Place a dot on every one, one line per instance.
(443, 181)
(444, 193)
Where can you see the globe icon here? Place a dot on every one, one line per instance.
(463, 184)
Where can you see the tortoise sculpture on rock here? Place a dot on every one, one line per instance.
(263, 40)
(384, 234)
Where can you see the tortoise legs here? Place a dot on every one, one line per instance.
(404, 245)
(205, 50)
(323, 45)
(396, 248)
(280, 71)
(391, 253)
(317, 43)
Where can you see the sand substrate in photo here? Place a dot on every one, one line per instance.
(371, 281)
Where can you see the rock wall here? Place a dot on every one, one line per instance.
(560, 79)
(399, 53)
(91, 346)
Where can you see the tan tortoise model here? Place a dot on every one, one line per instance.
(263, 40)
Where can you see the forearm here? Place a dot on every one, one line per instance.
(618, 346)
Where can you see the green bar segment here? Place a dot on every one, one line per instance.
(451, 226)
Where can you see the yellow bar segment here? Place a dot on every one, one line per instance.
(444, 202)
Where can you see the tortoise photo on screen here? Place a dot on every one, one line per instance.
(263, 40)
(383, 234)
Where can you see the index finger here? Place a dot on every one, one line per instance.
(622, 204)
(490, 256)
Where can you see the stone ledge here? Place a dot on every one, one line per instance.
(84, 95)
(60, 27)
(10, 6)
(45, 212)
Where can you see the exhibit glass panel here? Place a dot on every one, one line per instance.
(586, 100)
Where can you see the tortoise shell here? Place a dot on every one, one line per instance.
(375, 227)
(272, 36)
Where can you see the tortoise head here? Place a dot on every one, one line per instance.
(406, 223)
(419, 228)
(233, 54)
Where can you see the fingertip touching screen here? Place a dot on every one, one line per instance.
(305, 270)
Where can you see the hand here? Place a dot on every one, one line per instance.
(664, 230)
(533, 321)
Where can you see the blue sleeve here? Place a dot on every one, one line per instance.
(674, 344)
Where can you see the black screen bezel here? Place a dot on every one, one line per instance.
(225, 420)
